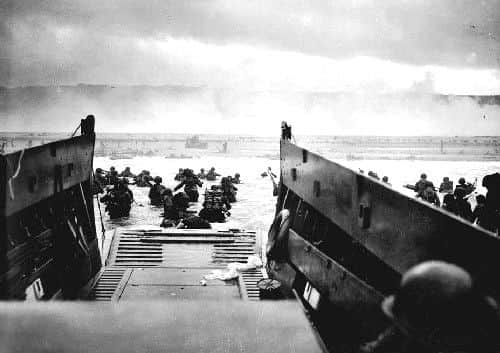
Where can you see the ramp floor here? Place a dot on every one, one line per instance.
(172, 264)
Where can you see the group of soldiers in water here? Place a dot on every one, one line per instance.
(486, 213)
(217, 200)
(119, 197)
(216, 204)
(456, 200)
(438, 307)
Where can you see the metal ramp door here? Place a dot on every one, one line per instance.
(171, 264)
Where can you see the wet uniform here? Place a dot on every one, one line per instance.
(464, 208)
(212, 214)
(143, 180)
(190, 183)
(156, 194)
(215, 208)
(113, 178)
(202, 174)
(169, 209)
(229, 190)
(430, 196)
(118, 201)
(450, 204)
(180, 175)
(127, 173)
(491, 216)
(479, 214)
(421, 186)
(101, 179)
(446, 187)
(212, 175)
(195, 222)
(99, 182)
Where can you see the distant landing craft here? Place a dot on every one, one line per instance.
(195, 142)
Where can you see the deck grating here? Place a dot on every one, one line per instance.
(107, 284)
(133, 251)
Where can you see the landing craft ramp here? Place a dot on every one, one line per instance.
(172, 264)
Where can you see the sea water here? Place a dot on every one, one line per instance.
(255, 207)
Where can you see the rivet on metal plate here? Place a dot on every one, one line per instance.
(365, 214)
(32, 184)
(316, 188)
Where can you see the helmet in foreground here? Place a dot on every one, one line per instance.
(438, 304)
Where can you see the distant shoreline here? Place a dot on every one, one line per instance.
(418, 148)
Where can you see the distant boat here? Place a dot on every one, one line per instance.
(178, 156)
(194, 142)
(116, 155)
(353, 157)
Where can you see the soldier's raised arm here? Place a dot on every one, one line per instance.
(180, 185)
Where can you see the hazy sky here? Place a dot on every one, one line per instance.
(448, 46)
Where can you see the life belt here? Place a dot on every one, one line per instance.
(278, 237)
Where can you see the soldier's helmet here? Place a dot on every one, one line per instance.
(158, 179)
(480, 199)
(439, 305)
(461, 181)
(237, 175)
(492, 182)
(448, 199)
(423, 176)
(168, 192)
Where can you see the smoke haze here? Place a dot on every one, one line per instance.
(175, 109)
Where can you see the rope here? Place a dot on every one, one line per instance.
(103, 229)
(74, 132)
(18, 169)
